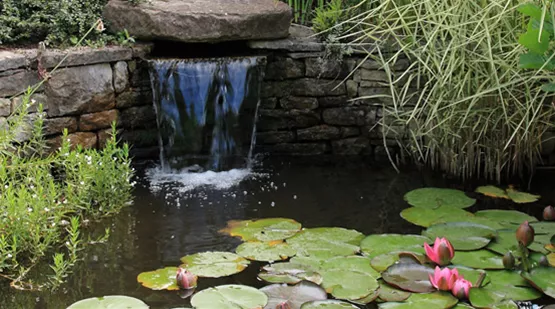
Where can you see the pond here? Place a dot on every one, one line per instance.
(171, 221)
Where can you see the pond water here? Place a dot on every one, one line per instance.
(173, 221)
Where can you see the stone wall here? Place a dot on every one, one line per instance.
(92, 88)
(309, 105)
(312, 104)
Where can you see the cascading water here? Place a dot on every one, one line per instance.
(206, 111)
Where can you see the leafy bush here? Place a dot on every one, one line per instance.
(56, 21)
(45, 194)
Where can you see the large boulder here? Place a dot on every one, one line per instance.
(201, 20)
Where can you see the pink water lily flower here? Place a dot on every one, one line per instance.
(461, 288)
(444, 279)
(185, 279)
(442, 253)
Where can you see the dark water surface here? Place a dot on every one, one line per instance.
(162, 227)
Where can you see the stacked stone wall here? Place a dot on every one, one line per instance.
(91, 89)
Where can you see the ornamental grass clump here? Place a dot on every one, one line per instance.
(463, 106)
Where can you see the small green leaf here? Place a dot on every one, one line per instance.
(160, 279)
(529, 39)
(214, 264)
(436, 197)
(549, 87)
(229, 297)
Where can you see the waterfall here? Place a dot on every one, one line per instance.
(206, 111)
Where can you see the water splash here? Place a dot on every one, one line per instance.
(206, 111)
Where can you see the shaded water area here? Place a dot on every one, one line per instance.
(206, 110)
(173, 221)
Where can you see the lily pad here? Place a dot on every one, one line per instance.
(511, 292)
(427, 216)
(437, 197)
(348, 284)
(160, 279)
(522, 197)
(507, 277)
(510, 219)
(390, 293)
(112, 302)
(551, 259)
(544, 227)
(437, 300)
(229, 297)
(384, 261)
(409, 277)
(482, 259)
(290, 273)
(541, 243)
(462, 235)
(328, 304)
(327, 242)
(543, 279)
(483, 298)
(354, 263)
(269, 229)
(214, 264)
(265, 251)
(294, 295)
(504, 242)
(375, 245)
(493, 191)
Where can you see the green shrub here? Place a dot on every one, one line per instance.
(45, 195)
(58, 22)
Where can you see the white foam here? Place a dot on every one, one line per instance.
(184, 180)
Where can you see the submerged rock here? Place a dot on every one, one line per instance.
(201, 20)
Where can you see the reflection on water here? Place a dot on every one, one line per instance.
(205, 110)
(163, 226)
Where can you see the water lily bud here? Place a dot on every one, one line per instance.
(461, 288)
(283, 305)
(525, 234)
(549, 213)
(442, 252)
(543, 261)
(186, 279)
(444, 279)
(509, 260)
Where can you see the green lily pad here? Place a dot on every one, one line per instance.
(541, 241)
(515, 293)
(542, 278)
(355, 263)
(160, 279)
(328, 304)
(269, 229)
(384, 261)
(390, 293)
(293, 295)
(290, 273)
(482, 259)
(504, 242)
(462, 235)
(437, 197)
(492, 191)
(265, 251)
(348, 284)
(426, 217)
(327, 242)
(409, 277)
(522, 197)
(507, 277)
(437, 300)
(483, 298)
(544, 227)
(462, 306)
(509, 219)
(214, 264)
(229, 297)
(375, 245)
(112, 302)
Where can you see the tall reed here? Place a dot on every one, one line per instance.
(463, 106)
